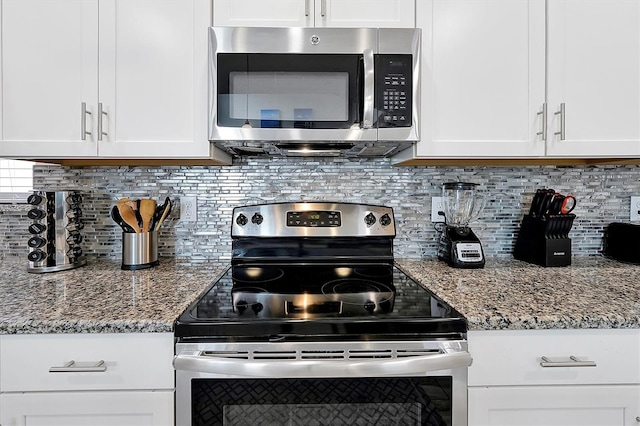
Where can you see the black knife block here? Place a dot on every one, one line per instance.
(544, 240)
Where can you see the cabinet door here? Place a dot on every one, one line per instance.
(554, 406)
(482, 77)
(49, 68)
(594, 69)
(365, 13)
(153, 78)
(87, 408)
(263, 13)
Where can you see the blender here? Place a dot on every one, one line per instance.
(458, 245)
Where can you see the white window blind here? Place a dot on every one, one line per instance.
(16, 180)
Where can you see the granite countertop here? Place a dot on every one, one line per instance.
(507, 294)
(98, 297)
(594, 292)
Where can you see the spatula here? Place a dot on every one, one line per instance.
(165, 213)
(147, 209)
(128, 216)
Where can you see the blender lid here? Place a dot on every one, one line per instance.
(459, 185)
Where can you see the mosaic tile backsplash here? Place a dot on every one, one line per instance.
(602, 192)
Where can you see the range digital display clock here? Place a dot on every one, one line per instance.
(321, 219)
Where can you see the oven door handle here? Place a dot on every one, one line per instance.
(410, 366)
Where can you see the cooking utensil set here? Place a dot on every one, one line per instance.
(140, 216)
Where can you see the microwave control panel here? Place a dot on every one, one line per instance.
(394, 90)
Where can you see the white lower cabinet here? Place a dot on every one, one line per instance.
(554, 378)
(87, 379)
(87, 408)
(554, 406)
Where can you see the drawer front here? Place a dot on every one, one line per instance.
(129, 361)
(515, 357)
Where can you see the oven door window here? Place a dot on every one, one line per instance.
(363, 401)
(289, 91)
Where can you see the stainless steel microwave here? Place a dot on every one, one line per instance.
(314, 91)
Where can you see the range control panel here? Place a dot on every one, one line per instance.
(312, 219)
(393, 90)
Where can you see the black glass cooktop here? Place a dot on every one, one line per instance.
(274, 301)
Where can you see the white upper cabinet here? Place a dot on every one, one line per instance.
(594, 70)
(482, 78)
(105, 79)
(496, 74)
(314, 13)
(49, 68)
(153, 78)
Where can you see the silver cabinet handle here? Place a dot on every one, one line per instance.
(72, 367)
(323, 8)
(314, 368)
(101, 114)
(572, 362)
(638, 419)
(543, 113)
(306, 8)
(83, 121)
(562, 122)
(369, 80)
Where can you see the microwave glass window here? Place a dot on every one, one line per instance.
(289, 90)
(272, 97)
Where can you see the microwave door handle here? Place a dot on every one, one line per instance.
(322, 368)
(369, 85)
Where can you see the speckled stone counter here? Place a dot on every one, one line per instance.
(593, 292)
(506, 294)
(98, 297)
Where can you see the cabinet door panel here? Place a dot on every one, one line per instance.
(365, 13)
(554, 406)
(153, 78)
(87, 408)
(263, 13)
(49, 67)
(483, 77)
(594, 68)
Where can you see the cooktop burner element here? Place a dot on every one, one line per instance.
(291, 277)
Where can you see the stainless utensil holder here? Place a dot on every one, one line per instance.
(139, 250)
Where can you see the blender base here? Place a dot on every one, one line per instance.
(460, 248)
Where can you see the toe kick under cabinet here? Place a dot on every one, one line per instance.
(86, 379)
(555, 377)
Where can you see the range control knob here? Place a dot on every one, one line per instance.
(242, 306)
(385, 220)
(370, 219)
(369, 306)
(242, 220)
(257, 307)
(257, 219)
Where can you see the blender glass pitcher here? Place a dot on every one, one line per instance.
(461, 203)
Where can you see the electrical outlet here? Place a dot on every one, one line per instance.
(436, 206)
(188, 209)
(635, 209)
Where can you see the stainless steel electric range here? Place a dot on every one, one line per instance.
(313, 320)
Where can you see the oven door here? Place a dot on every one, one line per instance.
(345, 383)
(284, 84)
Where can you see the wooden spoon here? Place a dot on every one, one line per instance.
(128, 216)
(147, 209)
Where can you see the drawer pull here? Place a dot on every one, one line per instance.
(572, 362)
(72, 367)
